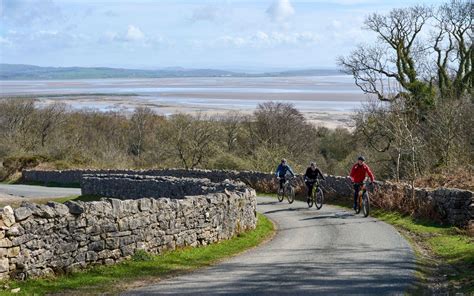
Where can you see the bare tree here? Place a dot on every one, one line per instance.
(281, 126)
(192, 137)
(452, 39)
(390, 129)
(399, 67)
(48, 118)
(141, 125)
(232, 128)
(17, 122)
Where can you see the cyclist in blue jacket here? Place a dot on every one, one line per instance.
(282, 170)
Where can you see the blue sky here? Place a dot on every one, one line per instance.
(238, 35)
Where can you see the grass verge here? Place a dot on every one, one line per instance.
(144, 268)
(445, 254)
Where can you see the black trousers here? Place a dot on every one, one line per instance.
(357, 187)
(282, 181)
(310, 185)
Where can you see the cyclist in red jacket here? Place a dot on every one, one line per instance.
(358, 173)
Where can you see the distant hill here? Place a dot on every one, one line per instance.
(29, 72)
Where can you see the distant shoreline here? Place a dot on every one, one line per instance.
(12, 72)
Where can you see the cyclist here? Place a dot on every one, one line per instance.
(281, 171)
(310, 177)
(358, 173)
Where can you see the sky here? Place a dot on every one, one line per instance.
(248, 35)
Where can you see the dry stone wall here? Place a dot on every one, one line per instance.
(139, 186)
(38, 240)
(65, 177)
(448, 205)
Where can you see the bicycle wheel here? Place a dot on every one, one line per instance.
(290, 194)
(365, 204)
(358, 204)
(280, 194)
(319, 198)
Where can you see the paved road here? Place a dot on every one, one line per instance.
(325, 252)
(30, 191)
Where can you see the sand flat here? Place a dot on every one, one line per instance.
(324, 100)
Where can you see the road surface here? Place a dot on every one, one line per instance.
(325, 252)
(30, 191)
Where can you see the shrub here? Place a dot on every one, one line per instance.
(15, 164)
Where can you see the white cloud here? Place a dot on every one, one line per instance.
(280, 11)
(134, 34)
(5, 42)
(271, 39)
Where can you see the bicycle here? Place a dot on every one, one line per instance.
(317, 196)
(288, 190)
(363, 200)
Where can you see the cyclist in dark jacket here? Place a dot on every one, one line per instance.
(282, 170)
(311, 176)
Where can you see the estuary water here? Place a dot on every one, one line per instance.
(320, 98)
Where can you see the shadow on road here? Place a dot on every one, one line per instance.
(286, 210)
(345, 276)
(267, 203)
(331, 216)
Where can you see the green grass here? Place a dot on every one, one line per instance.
(145, 268)
(454, 248)
(450, 251)
(436, 246)
(447, 242)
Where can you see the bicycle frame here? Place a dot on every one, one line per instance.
(362, 190)
(287, 189)
(288, 182)
(315, 187)
(360, 199)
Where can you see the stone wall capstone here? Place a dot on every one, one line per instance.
(38, 240)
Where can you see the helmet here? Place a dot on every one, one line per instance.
(283, 160)
(312, 163)
(361, 158)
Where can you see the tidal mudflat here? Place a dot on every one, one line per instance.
(324, 100)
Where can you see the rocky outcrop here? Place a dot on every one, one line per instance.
(37, 240)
